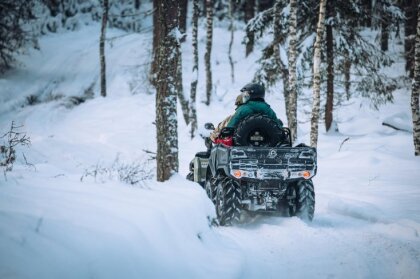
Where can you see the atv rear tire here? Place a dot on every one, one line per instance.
(305, 200)
(228, 202)
(258, 130)
(291, 200)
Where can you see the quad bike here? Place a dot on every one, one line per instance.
(254, 168)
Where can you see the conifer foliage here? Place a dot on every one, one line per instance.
(12, 34)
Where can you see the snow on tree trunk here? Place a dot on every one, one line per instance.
(207, 56)
(193, 110)
(416, 90)
(102, 48)
(166, 91)
(232, 32)
(330, 70)
(249, 14)
(317, 75)
(292, 70)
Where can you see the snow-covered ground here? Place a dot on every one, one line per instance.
(54, 224)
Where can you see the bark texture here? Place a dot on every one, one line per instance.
(317, 75)
(292, 70)
(207, 56)
(416, 90)
(249, 14)
(193, 93)
(330, 70)
(102, 47)
(166, 91)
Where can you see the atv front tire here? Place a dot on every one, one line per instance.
(228, 202)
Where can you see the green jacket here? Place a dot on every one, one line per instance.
(253, 107)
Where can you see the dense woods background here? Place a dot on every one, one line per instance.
(337, 48)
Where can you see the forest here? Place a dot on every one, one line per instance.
(107, 109)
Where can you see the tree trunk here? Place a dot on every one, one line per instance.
(347, 68)
(249, 14)
(384, 31)
(367, 6)
(292, 69)
(416, 91)
(166, 91)
(282, 69)
(330, 71)
(182, 100)
(183, 8)
(207, 56)
(317, 75)
(193, 111)
(410, 33)
(232, 32)
(156, 39)
(102, 47)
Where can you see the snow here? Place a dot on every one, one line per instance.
(53, 225)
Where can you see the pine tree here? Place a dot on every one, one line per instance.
(166, 91)
(317, 75)
(105, 7)
(416, 90)
(194, 81)
(207, 56)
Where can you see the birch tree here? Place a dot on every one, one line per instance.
(207, 56)
(105, 7)
(292, 53)
(317, 75)
(416, 90)
(166, 91)
(194, 81)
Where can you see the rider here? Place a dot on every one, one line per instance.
(215, 134)
(253, 103)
